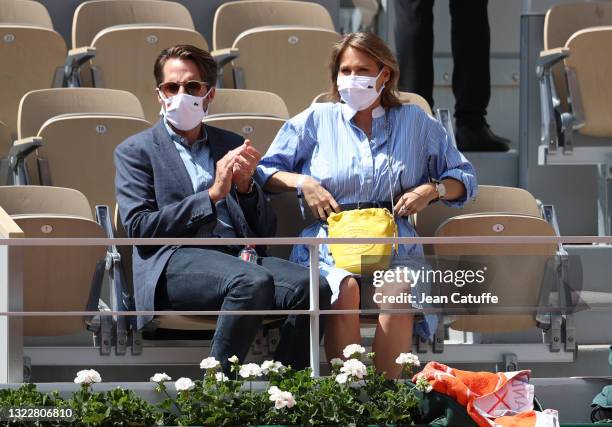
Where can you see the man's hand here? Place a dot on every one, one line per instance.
(319, 200)
(247, 159)
(223, 176)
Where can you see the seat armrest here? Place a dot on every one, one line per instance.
(74, 61)
(223, 57)
(121, 298)
(550, 57)
(18, 152)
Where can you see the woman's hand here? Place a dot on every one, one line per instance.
(415, 200)
(319, 200)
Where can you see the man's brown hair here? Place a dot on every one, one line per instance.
(377, 49)
(202, 59)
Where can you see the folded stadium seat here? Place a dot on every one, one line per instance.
(117, 42)
(499, 211)
(74, 132)
(55, 278)
(575, 93)
(255, 115)
(32, 53)
(279, 42)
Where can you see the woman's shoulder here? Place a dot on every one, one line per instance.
(315, 113)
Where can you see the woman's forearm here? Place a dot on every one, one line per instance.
(282, 181)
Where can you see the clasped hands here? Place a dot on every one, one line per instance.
(322, 204)
(236, 167)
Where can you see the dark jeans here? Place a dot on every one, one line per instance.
(208, 279)
(470, 41)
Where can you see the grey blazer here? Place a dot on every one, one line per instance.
(156, 199)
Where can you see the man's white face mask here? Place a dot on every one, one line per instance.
(358, 92)
(184, 111)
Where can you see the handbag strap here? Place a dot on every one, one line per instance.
(390, 174)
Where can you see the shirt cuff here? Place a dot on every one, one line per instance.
(468, 180)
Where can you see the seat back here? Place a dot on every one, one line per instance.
(592, 68)
(416, 99)
(490, 198)
(234, 17)
(57, 278)
(562, 21)
(136, 47)
(25, 12)
(305, 56)
(78, 150)
(30, 57)
(289, 221)
(41, 200)
(514, 272)
(239, 101)
(38, 106)
(259, 129)
(91, 17)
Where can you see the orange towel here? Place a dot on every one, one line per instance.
(491, 399)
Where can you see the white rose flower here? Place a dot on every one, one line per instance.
(408, 359)
(183, 384)
(87, 376)
(209, 363)
(354, 368)
(281, 398)
(271, 366)
(423, 385)
(341, 378)
(273, 390)
(221, 377)
(250, 370)
(233, 360)
(336, 361)
(352, 349)
(160, 378)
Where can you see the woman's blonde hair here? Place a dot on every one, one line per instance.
(377, 49)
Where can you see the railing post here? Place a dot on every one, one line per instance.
(11, 327)
(314, 309)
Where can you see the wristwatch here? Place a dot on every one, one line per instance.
(441, 189)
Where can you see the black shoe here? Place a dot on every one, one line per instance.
(480, 139)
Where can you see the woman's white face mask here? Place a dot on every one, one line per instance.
(184, 111)
(358, 92)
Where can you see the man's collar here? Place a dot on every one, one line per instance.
(175, 137)
(348, 113)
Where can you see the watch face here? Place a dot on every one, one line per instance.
(441, 190)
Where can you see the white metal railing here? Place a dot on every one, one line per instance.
(11, 349)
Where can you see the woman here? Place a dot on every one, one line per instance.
(336, 155)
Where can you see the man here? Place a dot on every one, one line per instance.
(181, 178)
(470, 40)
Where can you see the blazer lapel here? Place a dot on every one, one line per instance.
(172, 158)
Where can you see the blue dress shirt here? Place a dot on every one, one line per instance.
(201, 169)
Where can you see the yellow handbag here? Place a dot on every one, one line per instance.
(362, 258)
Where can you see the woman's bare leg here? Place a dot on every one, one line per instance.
(393, 336)
(343, 329)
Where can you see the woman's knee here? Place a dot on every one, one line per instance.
(349, 294)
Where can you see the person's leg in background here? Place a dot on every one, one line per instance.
(207, 279)
(292, 291)
(414, 39)
(471, 45)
